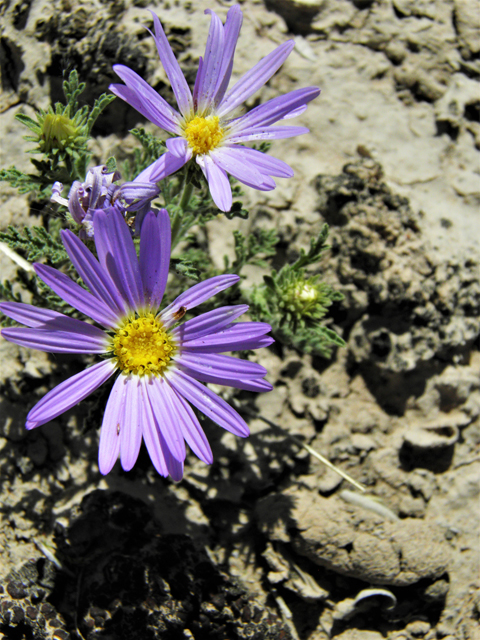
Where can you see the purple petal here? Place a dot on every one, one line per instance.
(196, 295)
(130, 422)
(138, 194)
(163, 167)
(228, 371)
(221, 365)
(296, 112)
(268, 133)
(155, 244)
(154, 440)
(109, 447)
(69, 393)
(254, 384)
(218, 183)
(76, 295)
(246, 172)
(117, 255)
(172, 69)
(209, 322)
(192, 431)
(160, 454)
(27, 314)
(208, 403)
(212, 64)
(231, 31)
(89, 269)
(241, 335)
(164, 408)
(142, 97)
(60, 335)
(177, 147)
(263, 162)
(273, 110)
(175, 468)
(74, 205)
(255, 78)
(198, 79)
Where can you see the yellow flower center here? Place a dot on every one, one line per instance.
(203, 134)
(142, 346)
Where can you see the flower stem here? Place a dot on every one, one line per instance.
(178, 228)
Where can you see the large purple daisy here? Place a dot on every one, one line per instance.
(161, 362)
(207, 127)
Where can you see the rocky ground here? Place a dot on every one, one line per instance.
(268, 543)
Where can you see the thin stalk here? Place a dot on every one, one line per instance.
(180, 212)
(314, 453)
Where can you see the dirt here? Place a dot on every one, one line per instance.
(267, 542)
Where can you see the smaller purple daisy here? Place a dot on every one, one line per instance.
(208, 127)
(161, 363)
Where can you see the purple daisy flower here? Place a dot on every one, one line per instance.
(161, 363)
(207, 127)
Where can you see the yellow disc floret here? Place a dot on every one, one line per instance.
(142, 346)
(203, 134)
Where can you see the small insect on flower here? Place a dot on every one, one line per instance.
(208, 129)
(160, 364)
(178, 315)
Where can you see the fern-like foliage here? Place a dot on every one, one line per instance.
(152, 148)
(60, 134)
(294, 304)
(35, 243)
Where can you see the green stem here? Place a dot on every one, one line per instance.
(186, 195)
(177, 230)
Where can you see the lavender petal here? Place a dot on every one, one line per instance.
(192, 431)
(227, 366)
(117, 255)
(295, 113)
(69, 393)
(274, 109)
(226, 158)
(130, 423)
(142, 97)
(263, 162)
(155, 244)
(255, 78)
(198, 79)
(178, 147)
(162, 402)
(217, 182)
(27, 314)
(76, 295)
(267, 133)
(196, 295)
(233, 338)
(89, 269)
(60, 335)
(207, 323)
(163, 167)
(154, 440)
(232, 28)
(253, 384)
(172, 69)
(208, 403)
(212, 64)
(109, 447)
